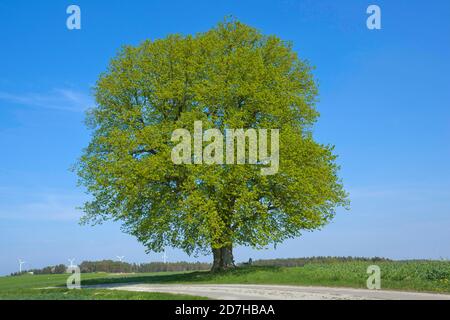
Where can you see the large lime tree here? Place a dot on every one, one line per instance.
(231, 76)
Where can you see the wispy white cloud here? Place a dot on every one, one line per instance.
(57, 99)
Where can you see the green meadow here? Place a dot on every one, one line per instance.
(52, 287)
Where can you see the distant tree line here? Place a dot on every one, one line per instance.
(111, 266)
(298, 262)
(58, 269)
(124, 267)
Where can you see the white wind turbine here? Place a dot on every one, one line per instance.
(164, 256)
(21, 263)
(120, 258)
(71, 262)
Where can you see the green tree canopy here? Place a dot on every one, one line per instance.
(231, 76)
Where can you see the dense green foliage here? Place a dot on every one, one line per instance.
(229, 77)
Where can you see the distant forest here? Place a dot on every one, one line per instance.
(111, 266)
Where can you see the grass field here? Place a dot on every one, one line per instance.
(34, 287)
(426, 276)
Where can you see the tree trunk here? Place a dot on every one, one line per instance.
(223, 259)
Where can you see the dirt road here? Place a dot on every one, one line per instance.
(276, 292)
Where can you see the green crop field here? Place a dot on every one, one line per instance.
(425, 276)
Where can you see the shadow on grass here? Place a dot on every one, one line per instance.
(184, 277)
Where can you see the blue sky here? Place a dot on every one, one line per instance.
(384, 103)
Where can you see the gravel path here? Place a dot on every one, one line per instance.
(275, 292)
